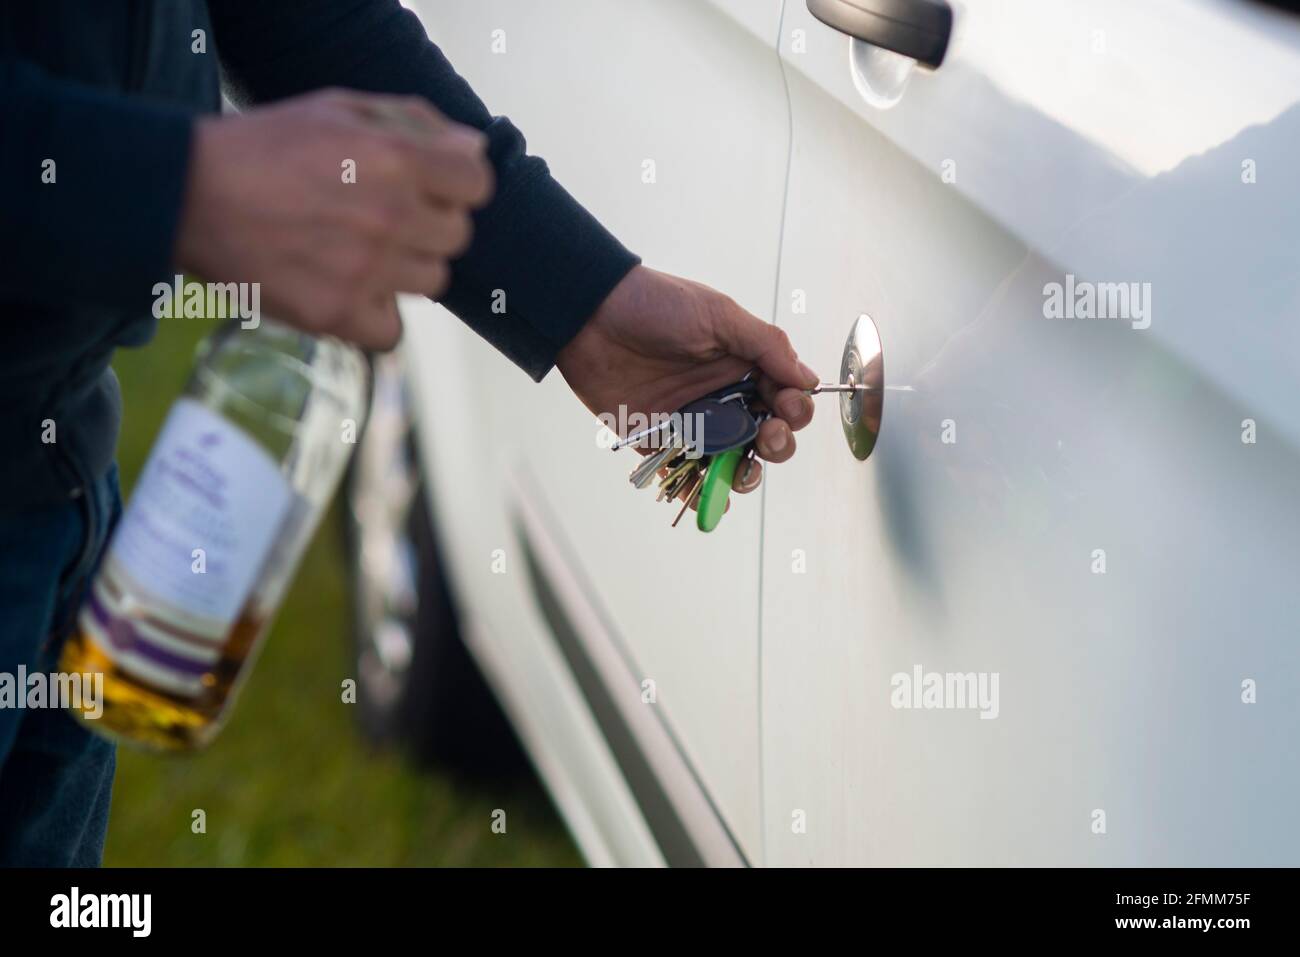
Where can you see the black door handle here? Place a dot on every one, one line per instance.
(915, 28)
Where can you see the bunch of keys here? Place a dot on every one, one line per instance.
(701, 446)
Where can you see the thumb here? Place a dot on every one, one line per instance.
(766, 346)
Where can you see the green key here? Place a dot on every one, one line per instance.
(717, 489)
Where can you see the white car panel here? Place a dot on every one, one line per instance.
(970, 541)
(601, 89)
(1075, 126)
(468, 484)
(1067, 504)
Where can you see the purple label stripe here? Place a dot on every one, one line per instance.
(123, 636)
(116, 591)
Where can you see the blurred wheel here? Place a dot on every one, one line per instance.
(417, 685)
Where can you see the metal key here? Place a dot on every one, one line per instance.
(706, 442)
(691, 497)
(644, 474)
(702, 444)
(679, 472)
(636, 438)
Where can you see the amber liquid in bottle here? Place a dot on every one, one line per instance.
(134, 711)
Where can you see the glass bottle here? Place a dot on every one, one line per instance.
(232, 491)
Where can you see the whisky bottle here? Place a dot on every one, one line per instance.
(229, 497)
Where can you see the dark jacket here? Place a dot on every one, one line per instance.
(109, 90)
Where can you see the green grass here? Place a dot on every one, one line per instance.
(289, 782)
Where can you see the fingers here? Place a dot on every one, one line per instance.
(429, 173)
(412, 114)
(452, 167)
(425, 275)
(378, 326)
(434, 230)
(775, 440)
(749, 475)
(421, 114)
(447, 160)
(780, 387)
(793, 405)
(446, 232)
(764, 345)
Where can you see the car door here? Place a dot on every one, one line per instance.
(669, 121)
(1051, 619)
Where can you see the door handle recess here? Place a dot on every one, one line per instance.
(915, 28)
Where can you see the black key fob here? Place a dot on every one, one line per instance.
(711, 426)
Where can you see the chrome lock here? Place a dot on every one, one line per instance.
(863, 368)
(861, 387)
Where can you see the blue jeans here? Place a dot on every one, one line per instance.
(56, 778)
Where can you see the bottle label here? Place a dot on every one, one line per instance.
(188, 550)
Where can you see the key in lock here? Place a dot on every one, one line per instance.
(862, 368)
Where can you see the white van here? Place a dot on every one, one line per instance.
(1053, 618)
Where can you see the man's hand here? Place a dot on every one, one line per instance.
(658, 342)
(267, 201)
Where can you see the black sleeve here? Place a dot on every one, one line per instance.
(553, 260)
(91, 186)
